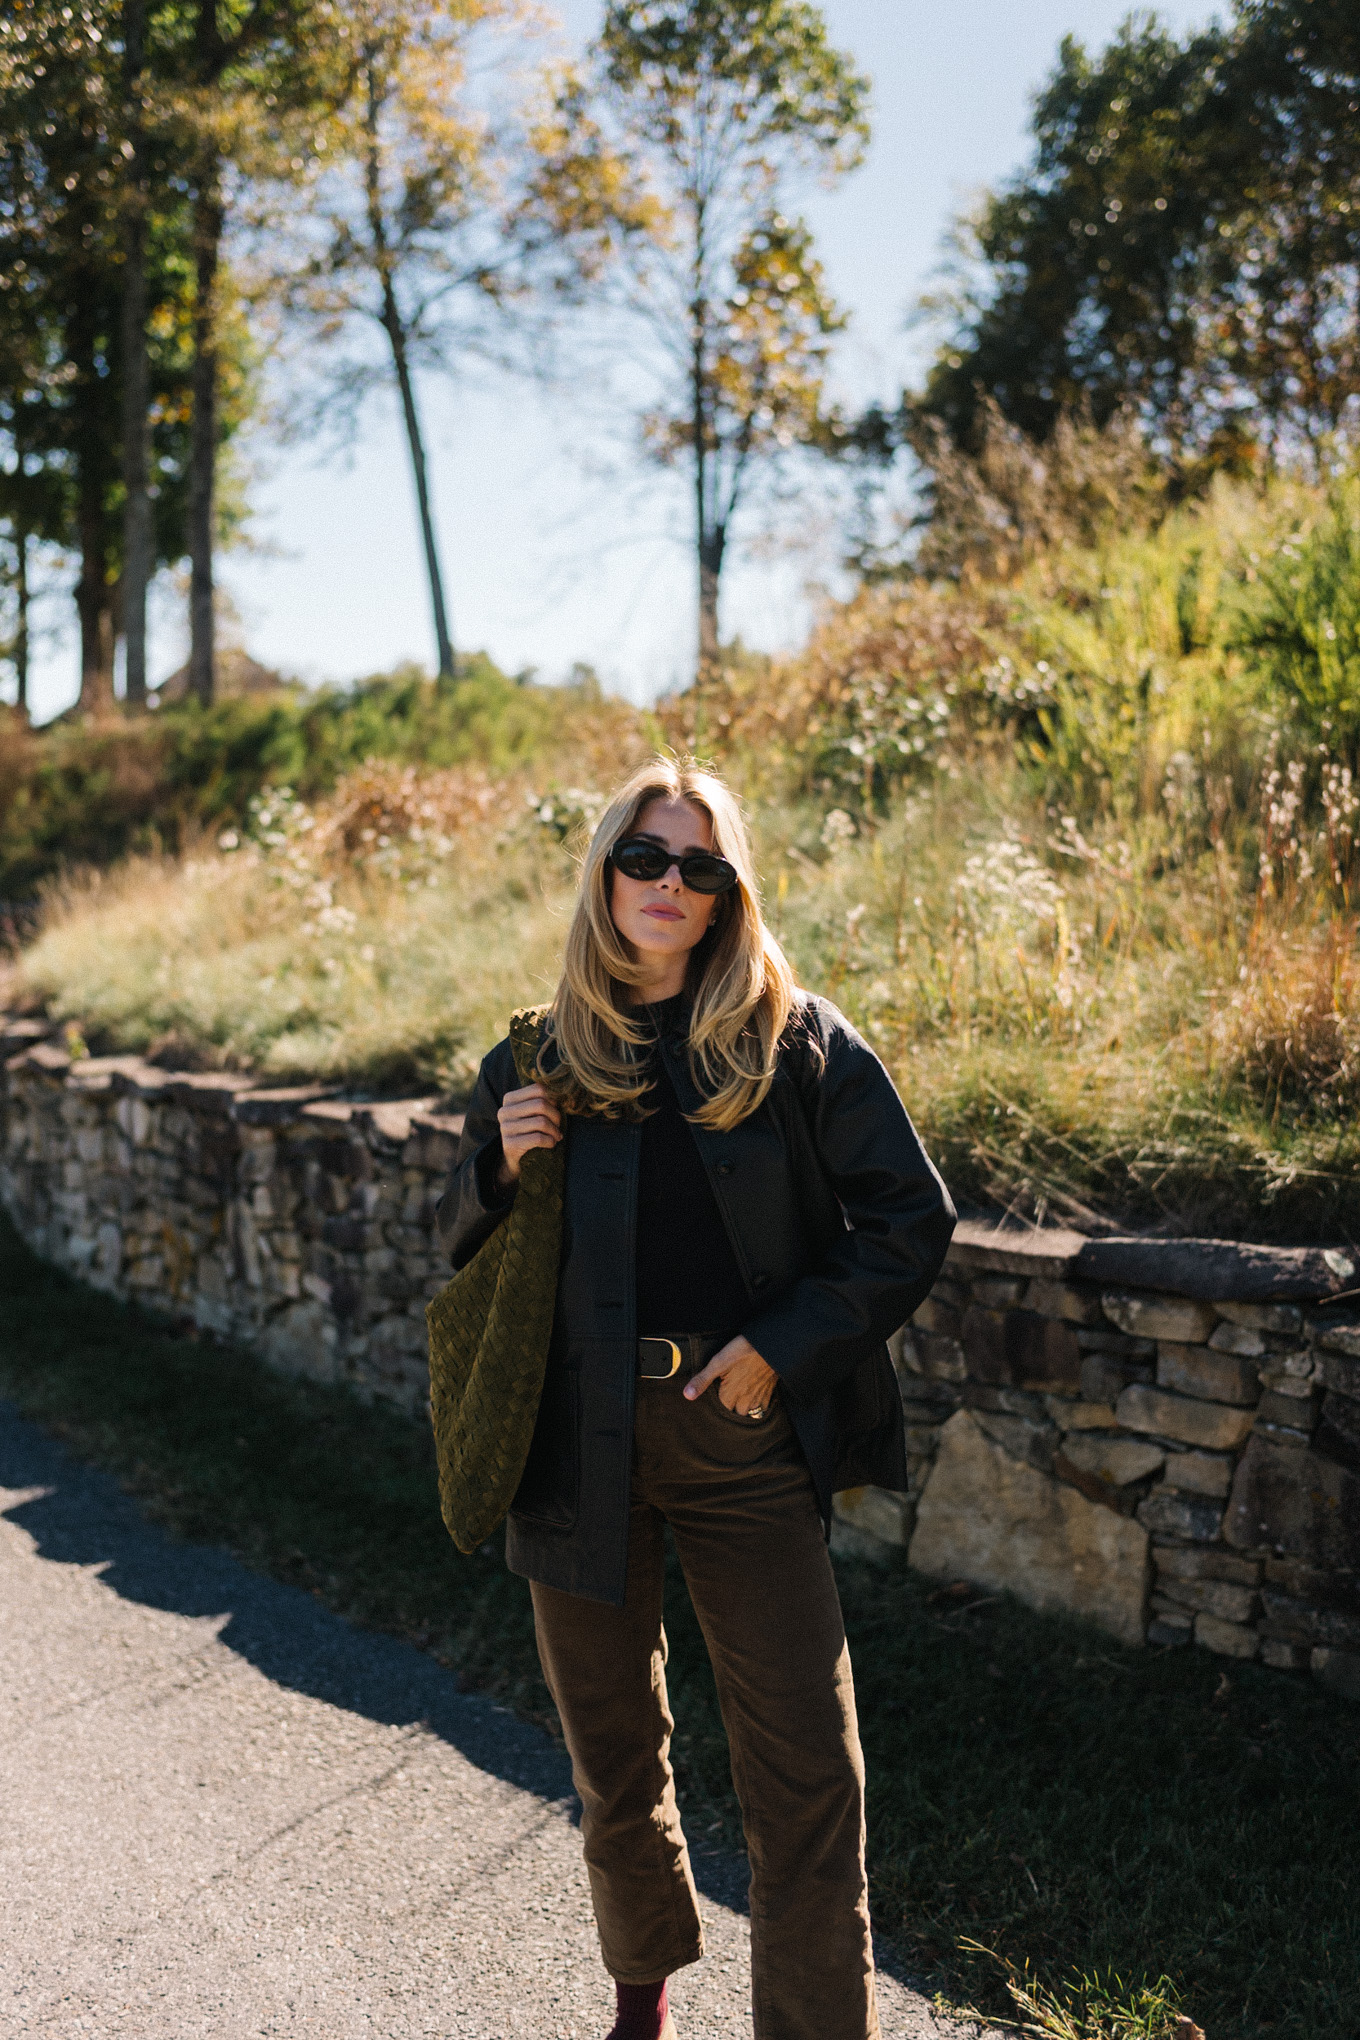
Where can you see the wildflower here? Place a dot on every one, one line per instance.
(1010, 883)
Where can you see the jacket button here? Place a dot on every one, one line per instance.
(760, 1282)
(725, 1168)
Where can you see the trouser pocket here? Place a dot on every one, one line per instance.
(770, 1415)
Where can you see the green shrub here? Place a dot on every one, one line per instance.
(88, 793)
(1063, 846)
(1305, 625)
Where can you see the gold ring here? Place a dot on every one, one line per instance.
(758, 1412)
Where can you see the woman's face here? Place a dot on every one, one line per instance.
(660, 917)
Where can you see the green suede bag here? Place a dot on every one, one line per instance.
(489, 1332)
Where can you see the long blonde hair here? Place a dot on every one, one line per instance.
(743, 988)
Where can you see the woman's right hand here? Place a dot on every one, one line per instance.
(528, 1119)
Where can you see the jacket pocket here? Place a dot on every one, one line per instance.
(549, 1490)
(870, 1445)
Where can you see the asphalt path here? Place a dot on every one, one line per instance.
(227, 1812)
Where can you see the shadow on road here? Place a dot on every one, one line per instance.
(81, 1517)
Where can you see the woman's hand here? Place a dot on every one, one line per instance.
(748, 1383)
(527, 1119)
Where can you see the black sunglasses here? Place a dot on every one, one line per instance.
(637, 857)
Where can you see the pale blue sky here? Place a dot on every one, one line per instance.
(558, 545)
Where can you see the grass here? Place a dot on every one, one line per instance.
(87, 792)
(1120, 1834)
(1085, 1026)
(1095, 2007)
(383, 937)
(1078, 850)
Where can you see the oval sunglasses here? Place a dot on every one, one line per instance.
(700, 870)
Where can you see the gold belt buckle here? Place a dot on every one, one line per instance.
(674, 1368)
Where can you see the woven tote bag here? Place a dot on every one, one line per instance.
(489, 1331)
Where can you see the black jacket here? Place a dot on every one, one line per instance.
(839, 1224)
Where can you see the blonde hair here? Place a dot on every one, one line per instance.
(743, 988)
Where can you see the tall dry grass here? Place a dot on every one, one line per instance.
(1157, 1022)
(1107, 1023)
(1064, 845)
(382, 937)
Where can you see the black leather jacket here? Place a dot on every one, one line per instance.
(839, 1224)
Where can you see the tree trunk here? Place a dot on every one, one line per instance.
(137, 545)
(396, 334)
(708, 532)
(203, 433)
(711, 546)
(94, 605)
(91, 443)
(442, 637)
(21, 627)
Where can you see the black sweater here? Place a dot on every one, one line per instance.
(687, 1274)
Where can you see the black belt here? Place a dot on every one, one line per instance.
(659, 1359)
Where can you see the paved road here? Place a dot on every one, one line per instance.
(228, 1813)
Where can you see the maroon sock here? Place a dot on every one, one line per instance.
(642, 2011)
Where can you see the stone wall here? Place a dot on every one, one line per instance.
(296, 1221)
(1160, 1435)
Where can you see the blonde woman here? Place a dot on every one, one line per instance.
(749, 1214)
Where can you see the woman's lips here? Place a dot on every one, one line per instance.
(664, 913)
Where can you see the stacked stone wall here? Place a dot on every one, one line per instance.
(300, 1223)
(1161, 1436)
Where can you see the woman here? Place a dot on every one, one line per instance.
(748, 1215)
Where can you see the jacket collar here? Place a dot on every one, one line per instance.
(669, 1018)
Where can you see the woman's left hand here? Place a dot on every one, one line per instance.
(748, 1384)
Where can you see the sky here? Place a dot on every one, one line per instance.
(559, 544)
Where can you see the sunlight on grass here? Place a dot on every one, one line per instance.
(1091, 1022)
(297, 953)
(1099, 2007)
(1065, 846)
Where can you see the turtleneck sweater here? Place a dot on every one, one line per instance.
(687, 1274)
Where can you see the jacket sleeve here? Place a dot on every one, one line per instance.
(899, 1219)
(472, 1206)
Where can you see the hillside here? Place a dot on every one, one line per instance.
(1073, 843)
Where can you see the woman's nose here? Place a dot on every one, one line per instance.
(671, 876)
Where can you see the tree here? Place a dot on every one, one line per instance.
(242, 67)
(68, 336)
(1078, 288)
(445, 221)
(213, 91)
(721, 107)
(58, 307)
(1184, 242)
(1282, 274)
(34, 516)
(137, 533)
(35, 497)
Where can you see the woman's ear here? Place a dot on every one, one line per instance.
(717, 921)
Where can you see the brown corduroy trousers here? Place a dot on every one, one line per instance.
(739, 1499)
